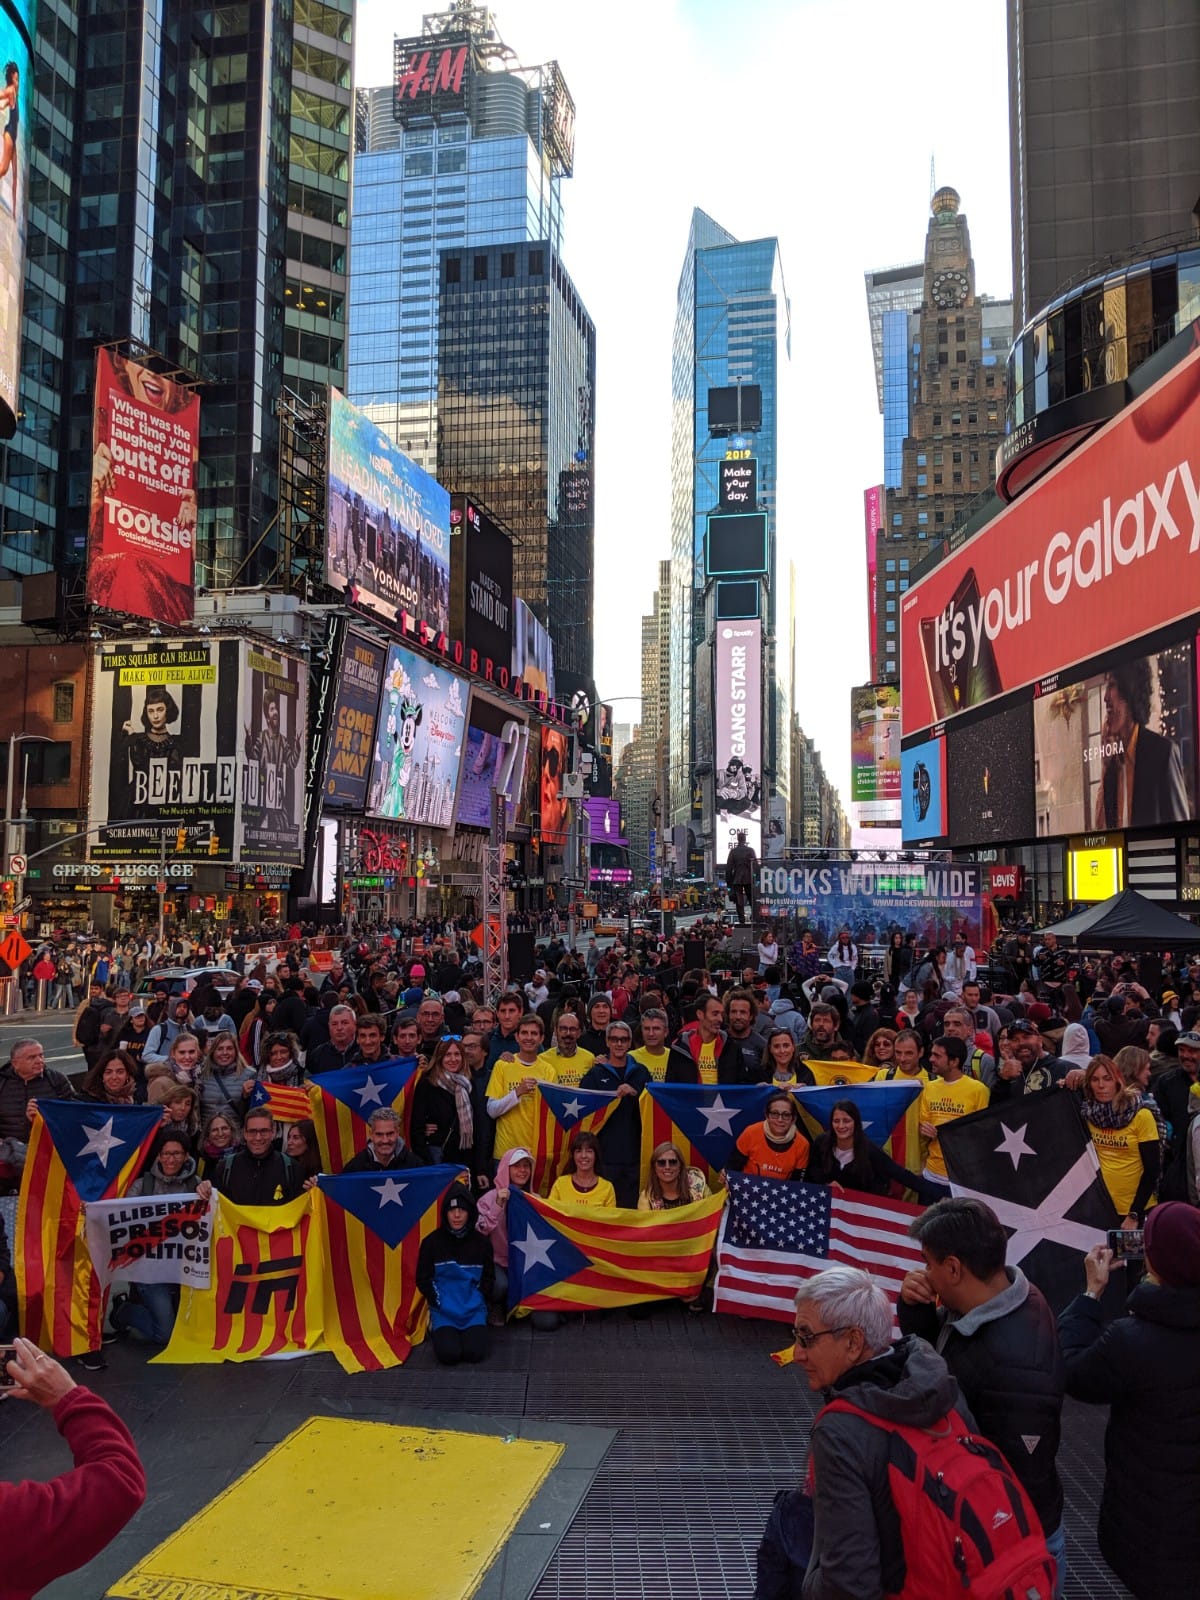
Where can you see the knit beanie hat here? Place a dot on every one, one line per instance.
(1173, 1244)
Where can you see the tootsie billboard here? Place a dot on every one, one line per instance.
(1105, 549)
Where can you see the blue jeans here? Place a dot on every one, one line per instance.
(1056, 1543)
(149, 1312)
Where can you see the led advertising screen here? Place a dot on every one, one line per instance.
(875, 743)
(923, 792)
(418, 741)
(737, 483)
(388, 534)
(608, 861)
(142, 513)
(936, 902)
(1099, 553)
(432, 78)
(737, 733)
(1095, 873)
(736, 544)
(166, 736)
(528, 788)
(481, 581)
(552, 805)
(352, 729)
(873, 523)
(274, 701)
(989, 765)
(16, 98)
(533, 651)
(1117, 749)
(734, 408)
(492, 762)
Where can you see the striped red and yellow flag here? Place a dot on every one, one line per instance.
(580, 1258)
(285, 1102)
(340, 1103)
(77, 1151)
(559, 1114)
(265, 1297)
(373, 1227)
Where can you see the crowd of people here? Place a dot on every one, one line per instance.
(623, 1018)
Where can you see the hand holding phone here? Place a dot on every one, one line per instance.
(1127, 1244)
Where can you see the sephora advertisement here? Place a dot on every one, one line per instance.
(494, 761)
(388, 524)
(352, 727)
(737, 734)
(142, 516)
(1102, 551)
(16, 97)
(1117, 748)
(418, 741)
(874, 901)
(166, 726)
(274, 703)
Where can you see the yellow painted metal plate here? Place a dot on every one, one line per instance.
(343, 1510)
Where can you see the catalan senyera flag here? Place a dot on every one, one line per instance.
(265, 1296)
(77, 1152)
(581, 1258)
(373, 1226)
(285, 1102)
(889, 1109)
(703, 1120)
(558, 1115)
(340, 1103)
(837, 1072)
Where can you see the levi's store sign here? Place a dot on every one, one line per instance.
(1006, 880)
(1104, 549)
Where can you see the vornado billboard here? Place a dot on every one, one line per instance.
(1105, 549)
(737, 735)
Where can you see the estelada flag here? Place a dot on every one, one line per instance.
(827, 1073)
(889, 1110)
(340, 1103)
(582, 1258)
(265, 1295)
(77, 1152)
(1033, 1163)
(285, 1102)
(374, 1224)
(558, 1115)
(702, 1120)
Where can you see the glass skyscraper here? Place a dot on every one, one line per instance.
(731, 326)
(481, 176)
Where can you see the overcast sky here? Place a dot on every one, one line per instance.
(814, 120)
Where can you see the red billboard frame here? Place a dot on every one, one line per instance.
(1098, 554)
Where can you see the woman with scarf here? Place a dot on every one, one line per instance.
(1133, 1064)
(182, 1065)
(774, 1147)
(1125, 1136)
(226, 1079)
(113, 1081)
(669, 1183)
(222, 1133)
(443, 1122)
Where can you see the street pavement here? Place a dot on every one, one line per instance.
(53, 1028)
(708, 1429)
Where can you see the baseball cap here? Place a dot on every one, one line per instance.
(1024, 1025)
(1189, 1040)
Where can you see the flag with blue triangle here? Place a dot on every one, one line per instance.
(373, 1224)
(702, 1120)
(342, 1101)
(559, 1114)
(77, 1151)
(889, 1108)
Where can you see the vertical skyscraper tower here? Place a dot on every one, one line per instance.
(476, 162)
(732, 329)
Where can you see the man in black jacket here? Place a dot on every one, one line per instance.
(24, 1079)
(386, 1150)
(863, 1019)
(996, 1333)
(341, 1048)
(704, 1052)
(258, 1174)
(621, 1136)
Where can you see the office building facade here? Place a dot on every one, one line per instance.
(1104, 129)
(943, 380)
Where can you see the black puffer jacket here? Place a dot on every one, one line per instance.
(1146, 1368)
(1006, 1359)
(858, 1549)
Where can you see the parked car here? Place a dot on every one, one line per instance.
(184, 979)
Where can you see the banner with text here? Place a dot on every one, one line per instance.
(737, 734)
(274, 702)
(876, 900)
(162, 1238)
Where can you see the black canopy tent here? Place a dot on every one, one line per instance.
(1127, 921)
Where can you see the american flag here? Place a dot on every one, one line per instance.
(774, 1235)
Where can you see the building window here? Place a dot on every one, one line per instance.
(508, 264)
(453, 270)
(889, 566)
(903, 563)
(64, 702)
(922, 478)
(481, 266)
(48, 763)
(920, 461)
(890, 625)
(537, 267)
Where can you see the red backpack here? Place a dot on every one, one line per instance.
(968, 1527)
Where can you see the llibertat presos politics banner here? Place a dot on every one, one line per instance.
(1104, 549)
(737, 734)
(388, 544)
(142, 517)
(166, 728)
(274, 701)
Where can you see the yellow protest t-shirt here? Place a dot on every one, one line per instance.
(1120, 1158)
(515, 1128)
(655, 1062)
(894, 1075)
(568, 1070)
(944, 1102)
(707, 1064)
(564, 1193)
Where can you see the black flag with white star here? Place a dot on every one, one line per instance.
(1031, 1160)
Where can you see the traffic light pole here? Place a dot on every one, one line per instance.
(162, 887)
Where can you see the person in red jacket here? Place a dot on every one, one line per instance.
(53, 1528)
